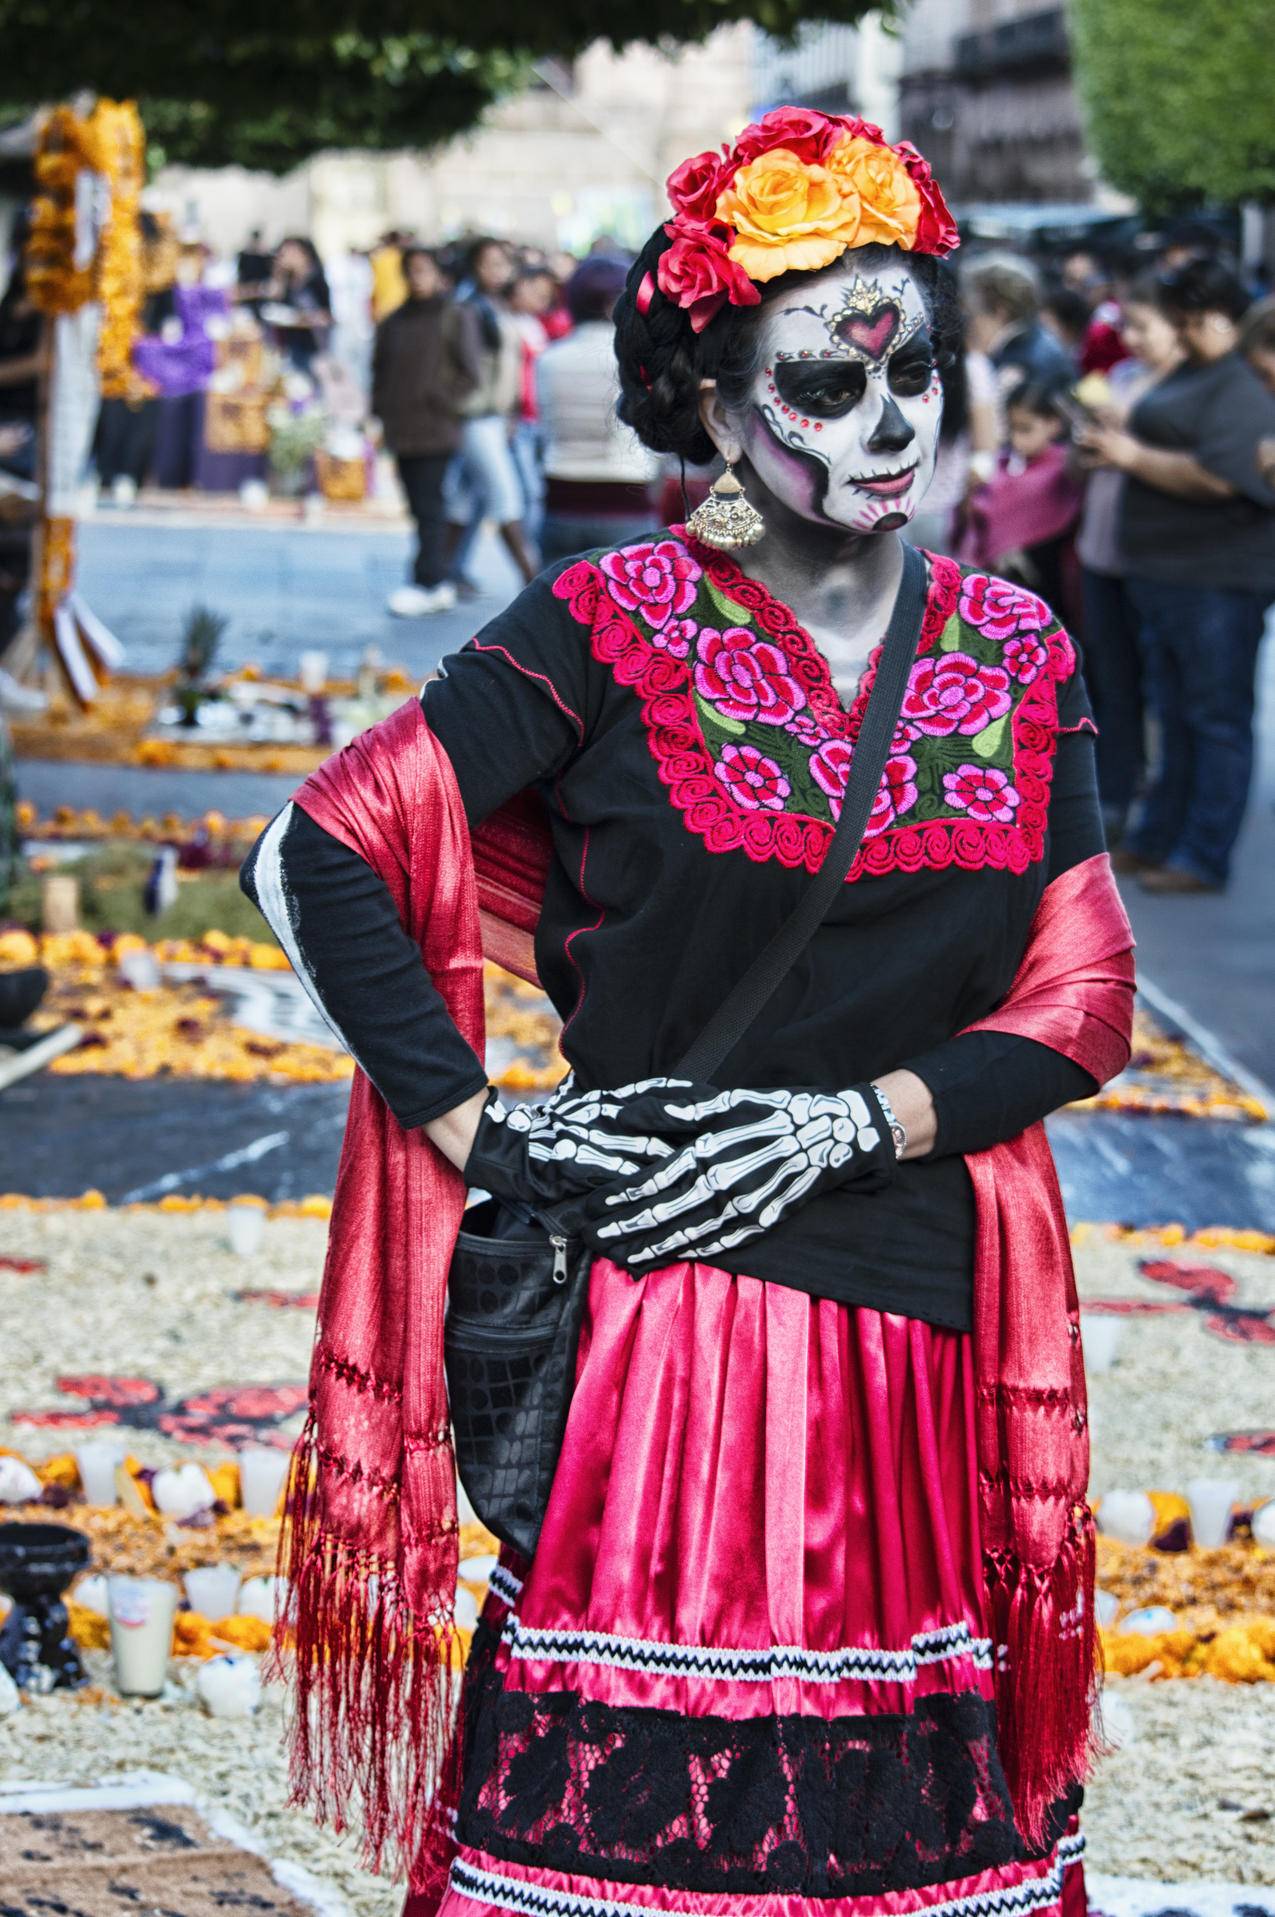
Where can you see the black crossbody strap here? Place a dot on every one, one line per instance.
(752, 993)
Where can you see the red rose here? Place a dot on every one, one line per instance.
(753, 780)
(699, 275)
(694, 187)
(937, 231)
(803, 131)
(950, 692)
(998, 609)
(745, 677)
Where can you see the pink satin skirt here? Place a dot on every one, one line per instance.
(749, 1668)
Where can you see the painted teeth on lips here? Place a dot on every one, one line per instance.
(886, 484)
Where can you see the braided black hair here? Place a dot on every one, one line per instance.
(662, 360)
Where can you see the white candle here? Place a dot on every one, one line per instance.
(312, 670)
(245, 1227)
(1210, 1500)
(1126, 1515)
(213, 1590)
(263, 1471)
(142, 1612)
(1102, 1335)
(97, 1460)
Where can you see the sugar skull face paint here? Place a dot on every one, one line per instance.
(843, 419)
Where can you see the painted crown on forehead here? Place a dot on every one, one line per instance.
(869, 323)
(796, 190)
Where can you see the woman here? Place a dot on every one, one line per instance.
(1197, 533)
(484, 482)
(598, 476)
(809, 1613)
(300, 305)
(1113, 653)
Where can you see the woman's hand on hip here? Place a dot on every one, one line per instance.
(742, 1160)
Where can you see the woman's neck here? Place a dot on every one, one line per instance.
(835, 581)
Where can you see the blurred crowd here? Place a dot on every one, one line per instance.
(1108, 442)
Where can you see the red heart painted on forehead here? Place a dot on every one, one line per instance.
(871, 333)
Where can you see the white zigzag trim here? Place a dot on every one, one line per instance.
(530, 1899)
(759, 1666)
(504, 1585)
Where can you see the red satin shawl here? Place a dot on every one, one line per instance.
(370, 1541)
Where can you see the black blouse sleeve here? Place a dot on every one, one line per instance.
(509, 711)
(989, 1086)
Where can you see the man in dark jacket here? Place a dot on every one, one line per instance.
(425, 364)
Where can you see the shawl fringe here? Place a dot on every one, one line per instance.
(374, 1689)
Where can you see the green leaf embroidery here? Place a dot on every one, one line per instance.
(737, 615)
(710, 718)
(987, 744)
(952, 635)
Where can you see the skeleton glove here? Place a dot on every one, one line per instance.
(573, 1143)
(740, 1161)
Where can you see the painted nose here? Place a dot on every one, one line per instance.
(891, 432)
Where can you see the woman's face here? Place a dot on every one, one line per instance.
(842, 421)
(1208, 336)
(1149, 335)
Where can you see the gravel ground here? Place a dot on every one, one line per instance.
(147, 1294)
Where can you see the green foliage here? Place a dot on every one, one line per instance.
(201, 637)
(219, 82)
(1177, 95)
(112, 884)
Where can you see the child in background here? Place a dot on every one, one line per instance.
(1022, 522)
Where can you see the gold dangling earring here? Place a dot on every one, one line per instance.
(725, 519)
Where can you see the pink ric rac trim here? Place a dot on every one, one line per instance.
(663, 685)
(544, 679)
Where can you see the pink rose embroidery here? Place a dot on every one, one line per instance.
(950, 692)
(999, 609)
(897, 793)
(1025, 657)
(983, 792)
(807, 728)
(656, 580)
(746, 677)
(675, 639)
(752, 779)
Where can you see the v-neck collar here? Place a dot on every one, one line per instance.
(779, 621)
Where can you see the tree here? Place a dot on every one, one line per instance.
(1177, 95)
(269, 86)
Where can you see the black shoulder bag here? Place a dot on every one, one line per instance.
(516, 1296)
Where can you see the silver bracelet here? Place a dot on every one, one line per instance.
(897, 1131)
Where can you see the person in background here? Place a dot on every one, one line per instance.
(969, 439)
(124, 443)
(1257, 340)
(301, 305)
(1003, 295)
(22, 348)
(425, 362)
(598, 474)
(254, 270)
(1021, 523)
(531, 295)
(1197, 532)
(389, 274)
(1102, 344)
(1113, 651)
(1065, 313)
(483, 482)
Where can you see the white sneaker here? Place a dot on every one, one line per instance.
(124, 492)
(415, 602)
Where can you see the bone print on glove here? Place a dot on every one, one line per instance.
(749, 1157)
(573, 1143)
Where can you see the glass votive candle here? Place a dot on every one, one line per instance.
(312, 670)
(1127, 1516)
(263, 1471)
(1211, 1500)
(1101, 1335)
(245, 1227)
(213, 1590)
(97, 1461)
(141, 1616)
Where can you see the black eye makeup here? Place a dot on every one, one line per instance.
(821, 389)
(911, 369)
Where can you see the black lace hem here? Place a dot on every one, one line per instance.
(812, 1807)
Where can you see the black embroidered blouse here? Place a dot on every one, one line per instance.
(685, 734)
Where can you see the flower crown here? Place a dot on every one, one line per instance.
(797, 189)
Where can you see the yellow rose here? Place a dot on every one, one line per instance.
(787, 214)
(890, 206)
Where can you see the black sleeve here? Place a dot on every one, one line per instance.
(508, 711)
(989, 1086)
(337, 922)
(1232, 433)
